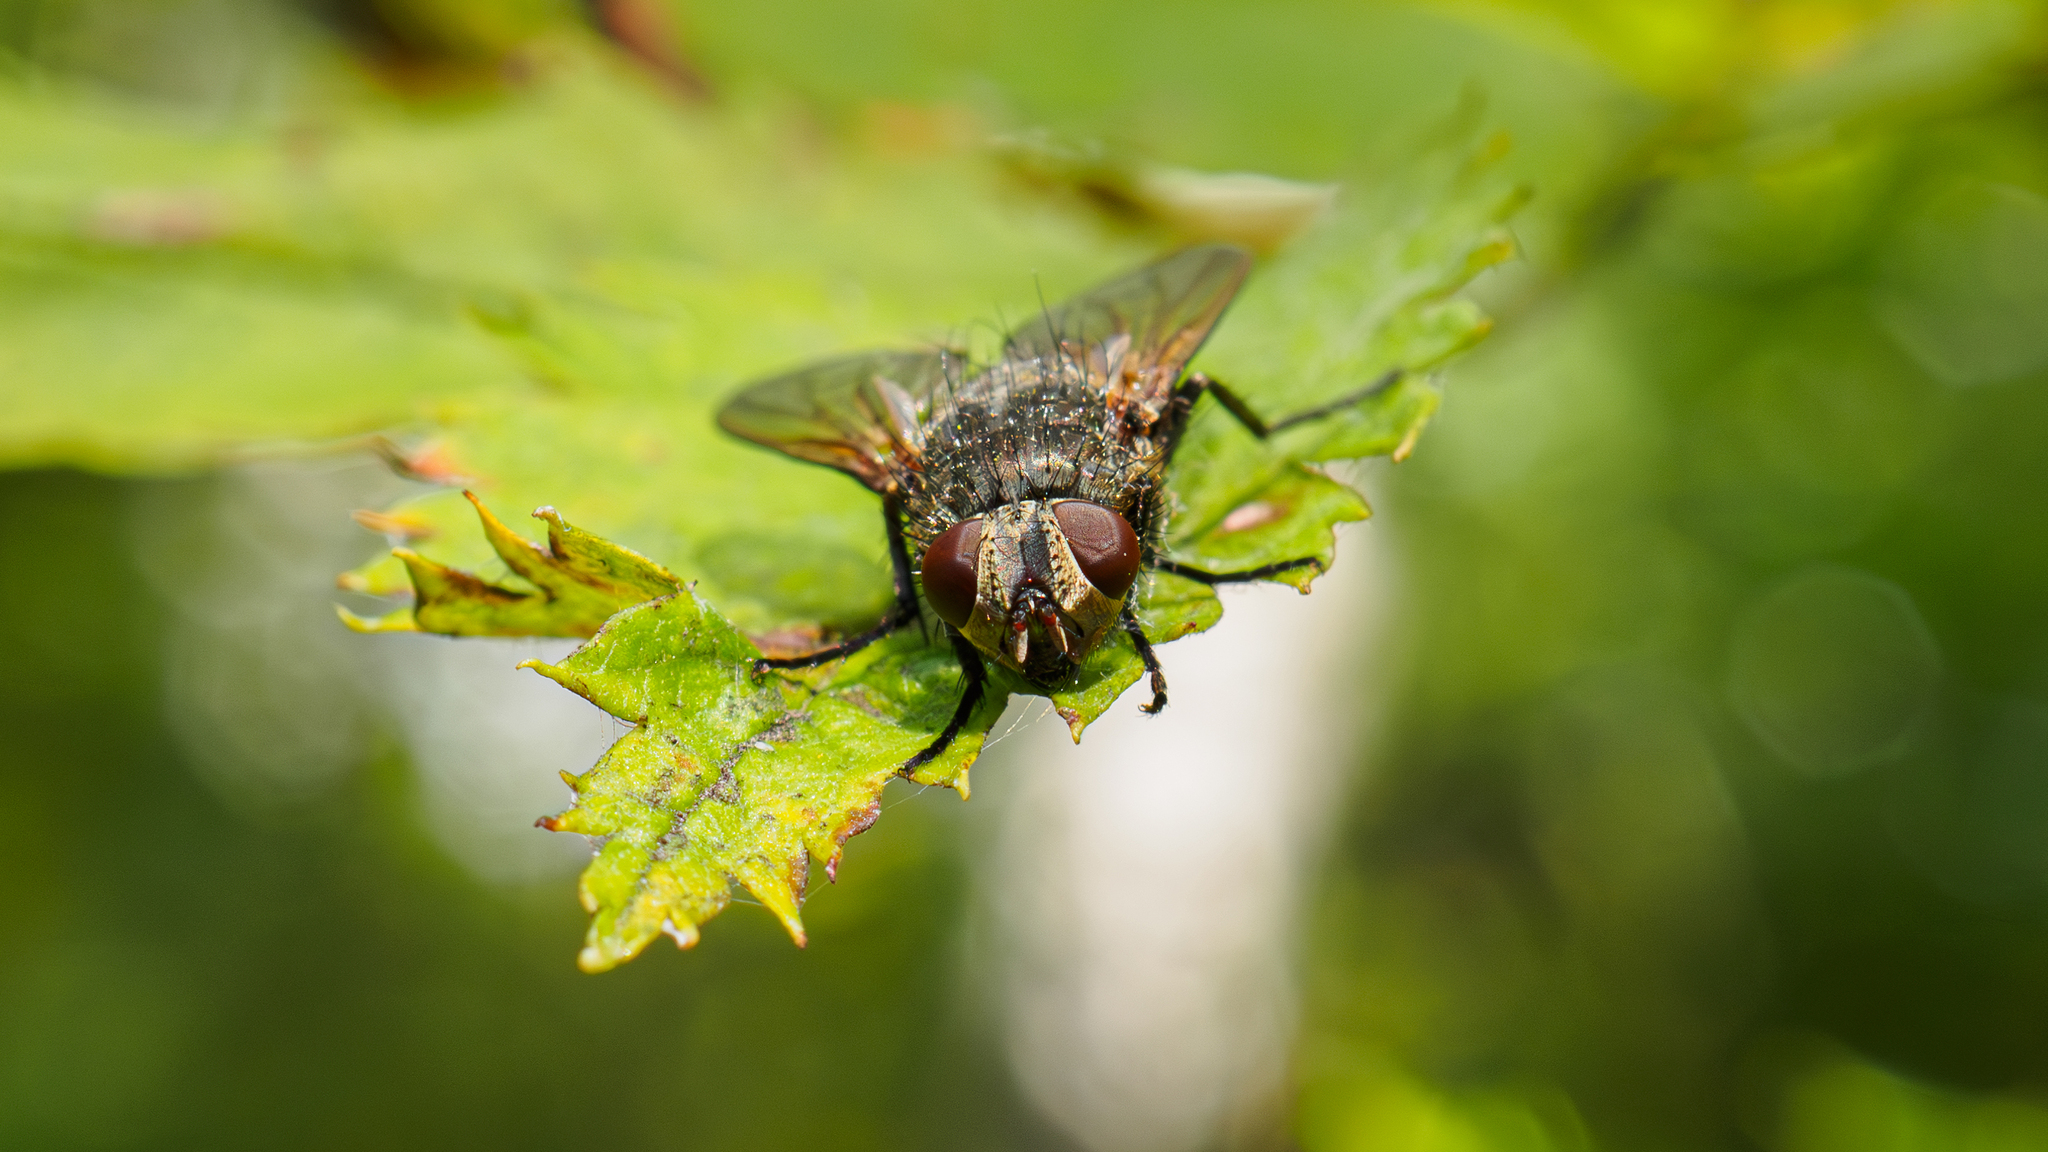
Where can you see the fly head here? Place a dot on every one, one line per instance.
(1036, 584)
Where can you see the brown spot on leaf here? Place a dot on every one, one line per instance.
(910, 130)
(1250, 515)
(725, 789)
(792, 641)
(799, 876)
(158, 217)
(435, 583)
(857, 822)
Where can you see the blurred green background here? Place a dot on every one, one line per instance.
(1711, 809)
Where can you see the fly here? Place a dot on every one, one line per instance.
(1031, 490)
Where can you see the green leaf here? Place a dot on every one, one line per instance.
(568, 588)
(731, 780)
(545, 297)
(1292, 515)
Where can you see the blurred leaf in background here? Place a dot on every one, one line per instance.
(1725, 578)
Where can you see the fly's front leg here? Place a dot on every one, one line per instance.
(1196, 384)
(1129, 620)
(970, 698)
(903, 612)
(896, 618)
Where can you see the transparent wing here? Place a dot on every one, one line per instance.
(860, 414)
(1138, 331)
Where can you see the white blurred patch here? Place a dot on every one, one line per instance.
(274, 703)
(1148, 880)
(490, 741)
(261, 688)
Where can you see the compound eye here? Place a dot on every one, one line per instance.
(951, 568)
(1103, 545)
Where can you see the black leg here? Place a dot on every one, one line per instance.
(1249, 574)
(1191, 390)
(899, 556)
(970, 699)
(903, 612)
(1196, 384)
(1145, 653)
(847, 647)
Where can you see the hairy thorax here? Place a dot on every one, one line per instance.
(1029, 431)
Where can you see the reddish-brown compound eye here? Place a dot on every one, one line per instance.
(951, 569)
(1102, 543)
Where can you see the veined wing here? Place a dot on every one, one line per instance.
(1138, 331)
(860, 414)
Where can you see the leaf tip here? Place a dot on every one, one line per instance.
(780, 896)
(795, 926)
(792, 923)
(574, 820)
(1516, 199)
(394, 525)
(555, 672)
(399, 621)
(1406, 447)
(1498, 251)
